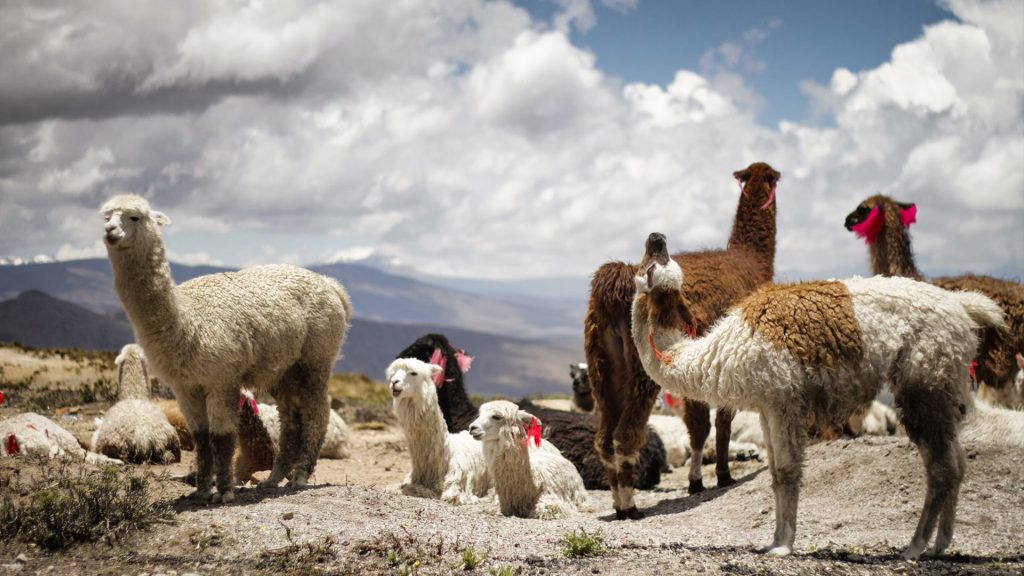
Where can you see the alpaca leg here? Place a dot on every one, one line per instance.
(697, 417)
(604, 444)
(788, 437)
(314, 411)
(723, 435)
(957, 463)
(223, 410)
(193, 408)
(630, 435)
(286, 456)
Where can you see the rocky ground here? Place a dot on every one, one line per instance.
(859, 505)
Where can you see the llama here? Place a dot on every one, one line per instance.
(273, 328)
(624, 394)
(582, 395)
(135, 429)
(884, 224)
(572, 433)
(256, 447)
(444, 464)
(531, 477)
(824, 348)
(31, 434)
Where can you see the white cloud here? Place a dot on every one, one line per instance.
(81, 252)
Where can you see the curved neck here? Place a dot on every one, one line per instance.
(427, 436)
(673, 361)
(753, 226)
(891, 254)
(509, 466)
(143, 282)
(133, 380)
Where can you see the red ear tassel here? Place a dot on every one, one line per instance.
(909, 215)
(871, 226)
(439, 358)
(2, 397)
(533, 433)
(12, 444)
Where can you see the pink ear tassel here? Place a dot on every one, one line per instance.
(464, 360)
(438, 358)
(909, 215)
(771, 198)
(870, 227)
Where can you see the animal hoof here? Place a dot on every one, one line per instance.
(779, 551)
(200, 495)
(696, 486)
(725, 480)
(267, 485)
(634, 514)
(912, 553)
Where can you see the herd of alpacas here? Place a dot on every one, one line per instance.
(782, 363)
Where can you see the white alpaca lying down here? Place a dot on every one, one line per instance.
(32, 434)
(531, 477)
(445, 465)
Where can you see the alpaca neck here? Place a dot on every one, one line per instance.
(427, 436)
(684, 374)
(134, 380)
(508, 461)
(891, 254)
(753, 226)
(144, 283)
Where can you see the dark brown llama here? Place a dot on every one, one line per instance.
(715, 280)
(884, 223)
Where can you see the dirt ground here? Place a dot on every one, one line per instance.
(859, 505)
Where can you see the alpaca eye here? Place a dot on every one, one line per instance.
(495, 417)
(135, 218)
(413, 374)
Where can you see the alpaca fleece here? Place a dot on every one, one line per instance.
(891, 255)
(135, 429)
(624, 395)
(915, 337)
(531, 481)
(444, 465)
(458, 410)
(814, 321)
(31, 434)
(268, 328)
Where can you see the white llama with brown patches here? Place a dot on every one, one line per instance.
(272, 328)
(824, 348)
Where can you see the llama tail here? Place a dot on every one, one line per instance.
(982, 310)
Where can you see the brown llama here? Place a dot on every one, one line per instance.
(624, 394)
(884, 224)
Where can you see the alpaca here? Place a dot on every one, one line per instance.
(35, 435)
(572, 433)
(531, 477)
(582, 395)
(444, 464)
(273, 328)
(624, 394)
(884, 224)
(337, 440)
(135, 429)
(988, 424)
(177, 420)
(256, 447)
(876, 419)
(824, 348)
(1009, 396)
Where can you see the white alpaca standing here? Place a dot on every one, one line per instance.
(135, 429)
(272, 328)
(337, 440)
(34, 435)
(445, 465)
(824, 348)
(532, 481)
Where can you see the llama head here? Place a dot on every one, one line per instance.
(758, 182)
(130, 353)
(413, 380)
(130, 222)
(502, 421)
(872, 215)
(582, 395)
(657, 271)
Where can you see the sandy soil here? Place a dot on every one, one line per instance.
(859, 505)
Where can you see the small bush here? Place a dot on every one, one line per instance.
(307, 558)
(583, 544)
(505, 570)
(58, 503)
(471, 559)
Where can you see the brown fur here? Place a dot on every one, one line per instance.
(173, 413)
(623, 393)
(256, 449)
(791, 317)
(891, 255)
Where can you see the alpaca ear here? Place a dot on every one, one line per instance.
(525, 418)
(434, 369)
(908, 213)
(742, 175)
(160, 218)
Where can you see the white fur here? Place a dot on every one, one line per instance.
(445, 465)
(37, 435)
(337, 440)
(271, 328)
(531, 481)
(989, 424)
(135, 429)
(916, 337)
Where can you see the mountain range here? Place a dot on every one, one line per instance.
(522, 343)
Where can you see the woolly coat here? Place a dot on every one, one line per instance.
(31, 434)
(444, 465)
(337, 440)
(531, 481)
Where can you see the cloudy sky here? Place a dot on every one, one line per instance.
(500, 139)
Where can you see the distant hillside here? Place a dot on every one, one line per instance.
(376, 295)
(507, 366)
